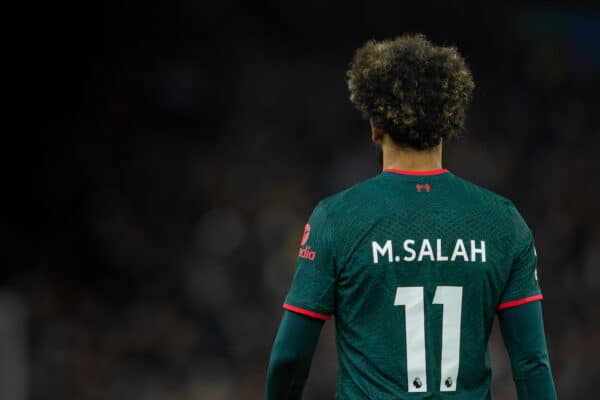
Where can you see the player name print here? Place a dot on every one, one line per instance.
(429, 250)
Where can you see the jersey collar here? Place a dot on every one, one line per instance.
(416, 173)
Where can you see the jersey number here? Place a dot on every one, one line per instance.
(450, 297)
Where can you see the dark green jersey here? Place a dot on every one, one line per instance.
(414, 267)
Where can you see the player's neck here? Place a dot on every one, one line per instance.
(407, 159)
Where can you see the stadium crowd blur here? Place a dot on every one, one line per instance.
(160, 228)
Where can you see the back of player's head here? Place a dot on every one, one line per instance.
(411, 89)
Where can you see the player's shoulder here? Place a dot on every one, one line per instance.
(499, 205)
(483, 195)
(350, 198)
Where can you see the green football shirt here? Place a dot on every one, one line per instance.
(414, 266)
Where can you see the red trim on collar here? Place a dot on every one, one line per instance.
(417, 173)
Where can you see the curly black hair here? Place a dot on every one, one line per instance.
(412, 90)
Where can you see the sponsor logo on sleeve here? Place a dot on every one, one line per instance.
(306, 252)
(306, 235)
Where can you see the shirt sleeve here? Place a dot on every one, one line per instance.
(522, 286)
(523, 333)
(312, 292)
(291, 356)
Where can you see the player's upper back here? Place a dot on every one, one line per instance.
(424, 207)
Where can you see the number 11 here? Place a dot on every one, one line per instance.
(450, 297)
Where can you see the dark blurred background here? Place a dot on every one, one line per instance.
(183, 144)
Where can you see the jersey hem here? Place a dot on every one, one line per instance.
(515, 303)
(307, 313)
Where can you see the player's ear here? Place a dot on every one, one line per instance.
(376, 135)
